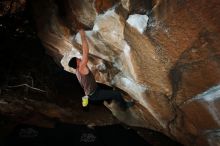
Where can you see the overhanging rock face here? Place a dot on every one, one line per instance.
(163, 54)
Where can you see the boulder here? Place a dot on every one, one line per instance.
(163, 54)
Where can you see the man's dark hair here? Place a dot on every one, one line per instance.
(72, 63)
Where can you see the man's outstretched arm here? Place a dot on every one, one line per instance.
(85, 47)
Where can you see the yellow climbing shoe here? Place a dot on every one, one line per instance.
(85, 101)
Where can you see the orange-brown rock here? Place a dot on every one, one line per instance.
(170, 67)
(103, 5)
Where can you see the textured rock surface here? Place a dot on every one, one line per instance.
(11, 6)
(171, 69)
(35, 92)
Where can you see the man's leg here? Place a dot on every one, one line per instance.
(103, 94)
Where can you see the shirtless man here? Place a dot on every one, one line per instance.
(86, 79)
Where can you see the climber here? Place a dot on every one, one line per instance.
(85, 77)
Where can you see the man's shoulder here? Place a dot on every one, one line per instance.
(83, 70)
